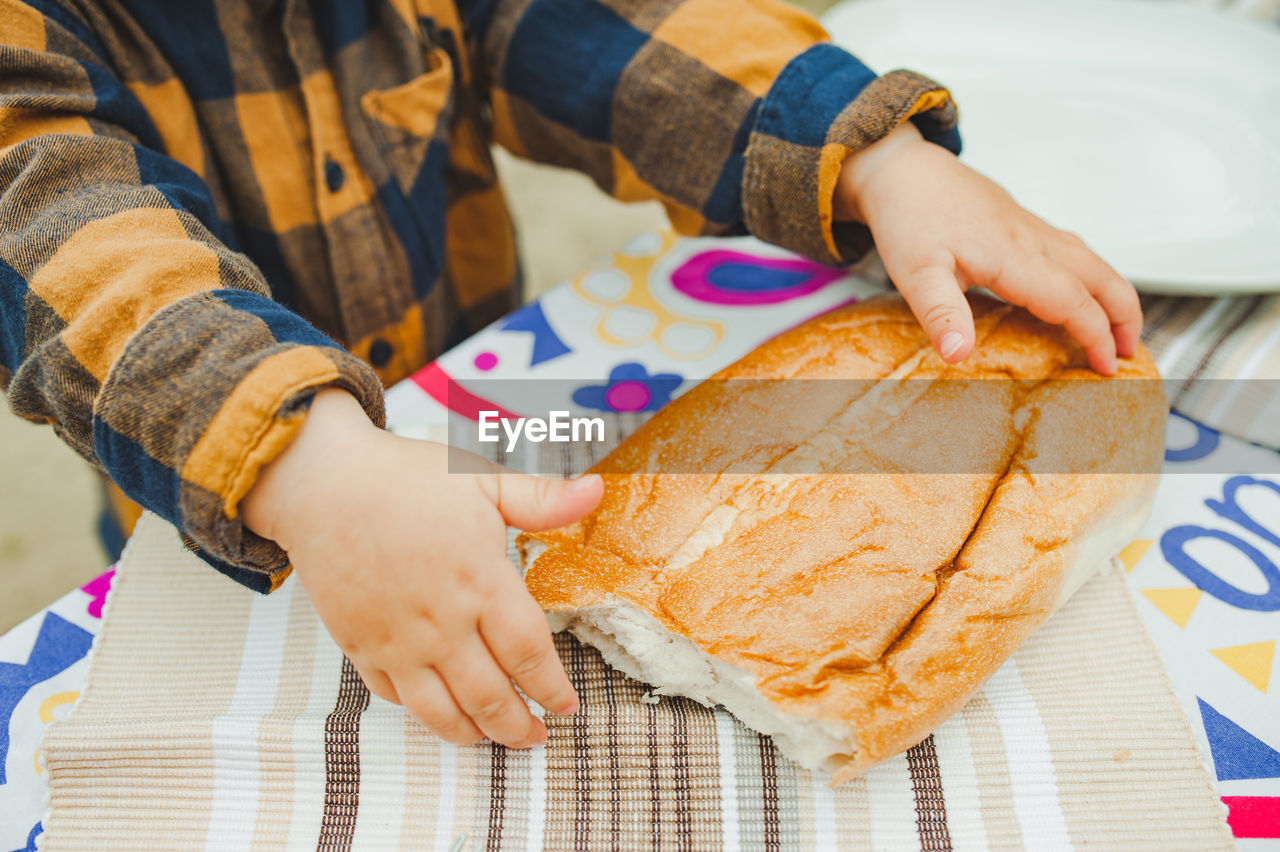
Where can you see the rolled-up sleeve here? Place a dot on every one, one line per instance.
(735, 114)
(150, 346)
(824, 106)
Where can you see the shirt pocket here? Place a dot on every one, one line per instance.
(411, 123)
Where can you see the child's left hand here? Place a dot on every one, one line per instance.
(941, 228)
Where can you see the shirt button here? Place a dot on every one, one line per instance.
(333, 175)
(379, 352)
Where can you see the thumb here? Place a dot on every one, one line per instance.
(539, 503)
(939, 304)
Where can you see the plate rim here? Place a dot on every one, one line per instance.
(882, 11)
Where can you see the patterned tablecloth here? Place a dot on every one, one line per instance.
(649, 322)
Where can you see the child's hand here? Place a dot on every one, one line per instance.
(941, 228)
(406, 565)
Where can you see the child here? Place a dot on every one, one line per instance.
(198, 199)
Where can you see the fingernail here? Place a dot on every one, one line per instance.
(950, 344)
(583, 482)
(568, 709)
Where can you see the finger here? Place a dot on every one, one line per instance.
(379, 684)
(485, 694)
(939, 304)
(540, 503)
(1118, 298)
(428, 700)
(1056, 296)
(517, 634)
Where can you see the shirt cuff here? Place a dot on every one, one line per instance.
(208, 392)
(823, 107)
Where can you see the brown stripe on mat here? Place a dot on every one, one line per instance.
(1157, 311)
(931, 805)
(581, 754)
(499, 454)
(789, 818)
(1242, 312)
(557, 832)
(498, 761)
(497, 793)
(342, 761)
(1172, 318)
(655, 798)
(680, 753)
(769, 774)
(615, 781)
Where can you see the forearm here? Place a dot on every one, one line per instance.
(736, 115)
(334, 426)
(855, 174)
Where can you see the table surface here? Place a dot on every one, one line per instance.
(657, 317)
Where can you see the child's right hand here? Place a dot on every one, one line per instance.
(942, 228)
(406, 564)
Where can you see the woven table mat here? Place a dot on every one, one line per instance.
(1221, 358)
(214, 717)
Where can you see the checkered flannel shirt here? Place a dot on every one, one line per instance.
(209, 209)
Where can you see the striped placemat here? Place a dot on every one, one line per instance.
(216, 718)
(1221, 358)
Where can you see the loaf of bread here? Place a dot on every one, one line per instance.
(843, 570)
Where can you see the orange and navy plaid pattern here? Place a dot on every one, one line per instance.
(210, 209)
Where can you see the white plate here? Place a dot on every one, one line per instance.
(1151, 130)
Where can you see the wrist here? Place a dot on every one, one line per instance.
(853, 186)
(334, 422)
